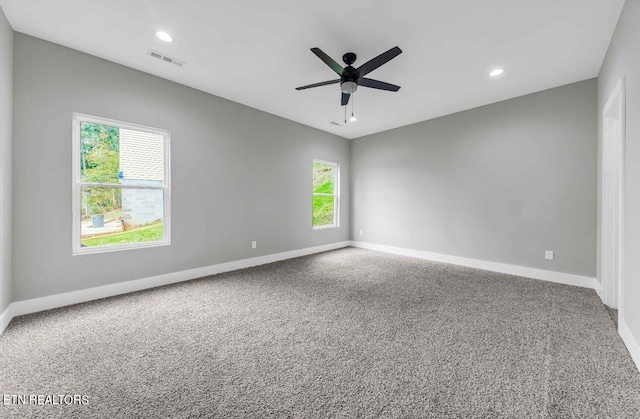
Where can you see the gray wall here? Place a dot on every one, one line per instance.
(500, 183)
(238, 174)
(623, 60)
(6, 106)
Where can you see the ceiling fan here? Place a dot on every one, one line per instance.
(350, 77)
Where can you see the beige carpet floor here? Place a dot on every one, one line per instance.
(348, 333)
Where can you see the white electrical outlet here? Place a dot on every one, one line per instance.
(361, 233)
(548, 254)
(254, 244)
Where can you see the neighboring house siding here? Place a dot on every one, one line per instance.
(141, 163)
(141, 155)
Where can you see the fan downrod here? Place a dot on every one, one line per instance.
(349, 58)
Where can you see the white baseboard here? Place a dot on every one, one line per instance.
(630, 342)
(559, 277)
(19, 308)
(5, 317)
(599, 289)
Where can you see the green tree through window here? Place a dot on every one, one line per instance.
(325, 196)
(99, 163)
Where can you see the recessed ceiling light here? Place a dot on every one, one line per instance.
(163, 36)
(496, 72)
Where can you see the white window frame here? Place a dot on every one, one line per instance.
(78, 184)
(335, 195)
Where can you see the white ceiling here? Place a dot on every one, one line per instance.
(256, 52)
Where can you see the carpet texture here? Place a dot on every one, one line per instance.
(348, 333)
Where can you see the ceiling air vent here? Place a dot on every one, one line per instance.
(166, 58)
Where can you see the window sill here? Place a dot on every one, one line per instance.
(325, 227)
(117, 248)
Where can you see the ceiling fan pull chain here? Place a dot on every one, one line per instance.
(353, 104)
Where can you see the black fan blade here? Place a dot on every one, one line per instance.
(376, 84)
(345, 98)
(328, 60)
(383, 58)
(324, 83)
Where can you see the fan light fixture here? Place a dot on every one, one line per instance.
(496, 72)
(349, 87)
(164, 37)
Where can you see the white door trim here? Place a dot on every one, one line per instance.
(613, 187)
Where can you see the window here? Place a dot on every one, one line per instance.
(121, 195)
(325, 194)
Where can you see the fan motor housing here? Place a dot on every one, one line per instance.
(350, 74)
